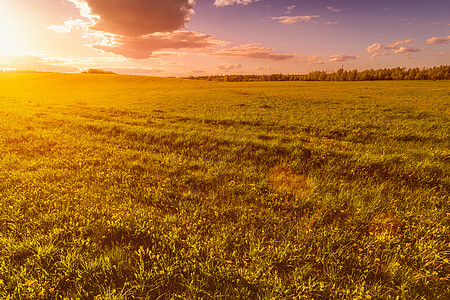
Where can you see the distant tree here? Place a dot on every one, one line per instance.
(98, 71)
(435, 73)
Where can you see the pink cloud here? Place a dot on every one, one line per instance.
(377, 54)
(310, 58)
(438, 40)
(295, 19)
(406, 50)
(143, 47)
(396, 47)
(398, 43)
(374, 47)
(138, 28)
(341, 57)
(316, 63)
(163, 53)
(253, 51)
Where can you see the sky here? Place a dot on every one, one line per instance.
(219, 37)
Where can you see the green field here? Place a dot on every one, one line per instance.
(128, 187)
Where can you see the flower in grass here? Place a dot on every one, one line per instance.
(41, 292)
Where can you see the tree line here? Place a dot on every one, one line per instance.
(434, 73)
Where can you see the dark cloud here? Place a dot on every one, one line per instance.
(137, 28)
(134, 18)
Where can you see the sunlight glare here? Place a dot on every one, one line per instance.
(11, 33)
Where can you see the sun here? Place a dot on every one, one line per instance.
(12, 38)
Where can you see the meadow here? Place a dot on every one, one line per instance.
(131, 187)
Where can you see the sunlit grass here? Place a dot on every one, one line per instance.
(128, 187)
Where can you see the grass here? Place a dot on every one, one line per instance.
(128, 187)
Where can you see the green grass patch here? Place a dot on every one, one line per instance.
(129, 187)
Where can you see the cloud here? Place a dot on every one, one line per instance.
(377, 54)
(134, 18)
(398, 43)
(396, 47)
(144, 47)
(289, 9)
(158, 54)
(377, 46)
(197, 71)
(138, 28)
(309, 58)
(316, 63)
(341, 57)
(136, 71)
(438, 40)
(37, 63)
(253, 51)
(406, 50)
(312, 60)
(232, 2)
(335, 10)
(69, 25)
(263, 68)
(295, 19)
(226, 67)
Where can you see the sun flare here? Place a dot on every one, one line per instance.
(12, 38)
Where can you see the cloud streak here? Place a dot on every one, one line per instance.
(334, 10)
(341, 58)
(438, 40)
(253, 51)
(295, 19)
(143, 47)
(227, 67)
(220, 3)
